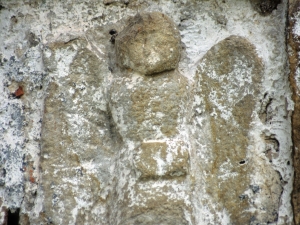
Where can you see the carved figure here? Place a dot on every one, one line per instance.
(166, 150)
(148, 100)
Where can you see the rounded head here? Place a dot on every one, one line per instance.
(149, 44)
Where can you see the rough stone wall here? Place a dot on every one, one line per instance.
(293, 44)
(148, 112)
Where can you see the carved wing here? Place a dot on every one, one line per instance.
(226, 94)
(77, 136)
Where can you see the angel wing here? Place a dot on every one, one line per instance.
(78, 138)
(226, 95)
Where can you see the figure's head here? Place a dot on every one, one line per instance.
(149, 44)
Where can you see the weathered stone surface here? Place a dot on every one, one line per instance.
(160, 212)
(149, 113)
(94, 162)
(154, 159)
(294, 61)
(265, 7)
(149, 108)
(149, 44)
(66, 150)
(229, 79)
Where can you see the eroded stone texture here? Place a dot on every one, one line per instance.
(149, 112)
(149, 108)
(75, 132)
(162, 213)
(229, 81)
(294, 43)
(156, 159)
(265, 7)
(112, 161)
(149, 44)
(140, 110)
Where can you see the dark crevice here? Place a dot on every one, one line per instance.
(113, 131)
(71, 40)
(265, 7)
(271, 148)
(265, 112)
(13, 217)
(273, 142)
(255, 188)
(242, 162)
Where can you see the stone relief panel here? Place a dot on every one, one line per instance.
(140, 124)
(143, 126)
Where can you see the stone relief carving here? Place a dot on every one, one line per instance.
(149, 118)
(149, 44)
(148, 98)
(228, 82)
